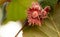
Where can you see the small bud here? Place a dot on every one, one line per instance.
(47, 8)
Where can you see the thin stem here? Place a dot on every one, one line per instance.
(25, 24)
(19, 31)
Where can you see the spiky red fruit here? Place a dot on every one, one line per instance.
(36, 13)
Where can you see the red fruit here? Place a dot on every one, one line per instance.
(33, 14)
(36, 13)
(47, 8)
(43, 14)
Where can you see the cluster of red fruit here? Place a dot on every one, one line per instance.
(36, 14)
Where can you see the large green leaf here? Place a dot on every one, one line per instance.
(16, 10)
(50, 26)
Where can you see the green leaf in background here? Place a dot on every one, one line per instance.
(48, 2)
(56, 17)
(50, 26)
(16, 10)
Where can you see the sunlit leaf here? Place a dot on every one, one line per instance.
(16, 10)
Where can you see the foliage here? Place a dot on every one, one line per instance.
(16, 10)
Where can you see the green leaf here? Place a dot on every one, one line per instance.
(56, 17)
(48, 2)
(50, 26)
(17, 9)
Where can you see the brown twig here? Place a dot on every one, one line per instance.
(25, 24)
(19, 31)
